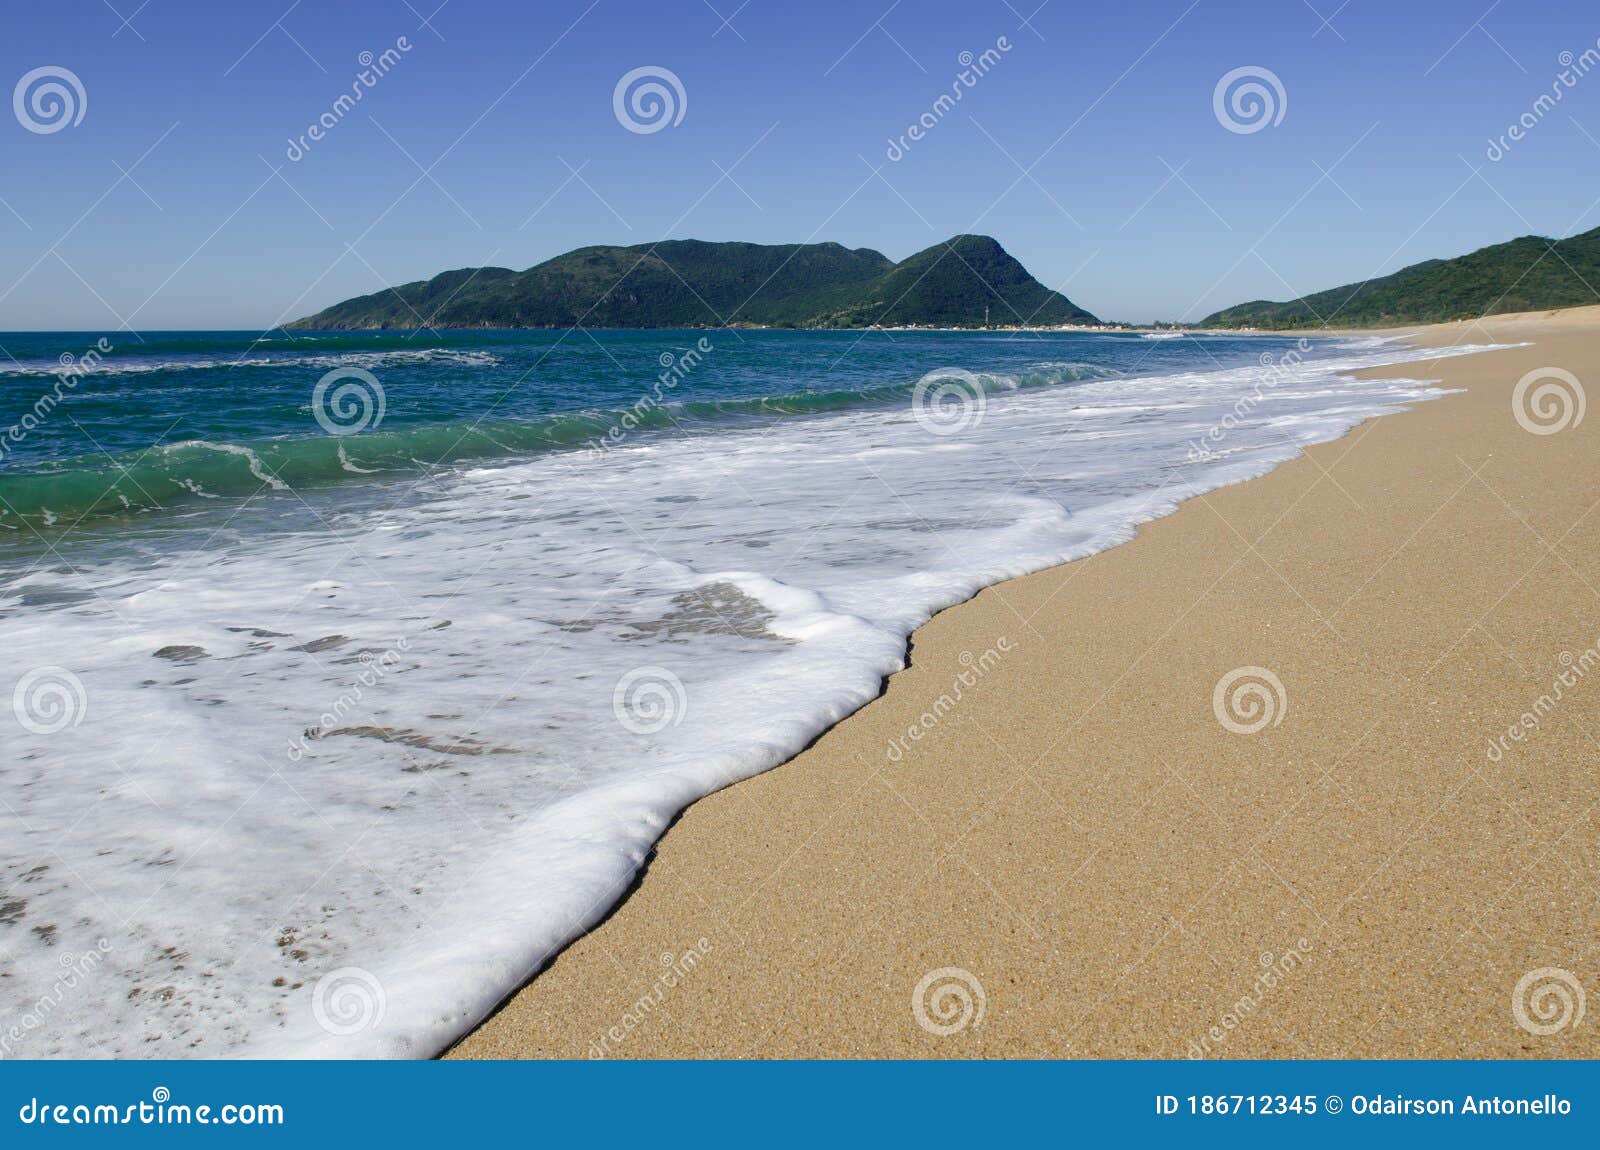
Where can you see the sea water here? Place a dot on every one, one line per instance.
(352, 675)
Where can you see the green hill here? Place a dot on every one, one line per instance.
(1527, 274)
(691, 283)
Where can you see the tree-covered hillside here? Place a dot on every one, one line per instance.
(1527, 274)
(691, 283)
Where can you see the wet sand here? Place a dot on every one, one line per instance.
(1078, 858)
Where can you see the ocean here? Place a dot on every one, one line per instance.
(352, 675)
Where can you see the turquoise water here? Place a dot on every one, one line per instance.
(158, 420)
(321, 743)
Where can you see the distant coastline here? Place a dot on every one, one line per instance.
(967, 281)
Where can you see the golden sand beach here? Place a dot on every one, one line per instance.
(1081, 858)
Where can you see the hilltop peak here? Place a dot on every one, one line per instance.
(965, 281)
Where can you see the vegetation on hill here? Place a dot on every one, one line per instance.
(1531, 273)
(963, 282)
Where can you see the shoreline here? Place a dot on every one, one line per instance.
(1045, 840)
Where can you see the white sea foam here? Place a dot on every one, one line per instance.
(398, 739)
(370, 359)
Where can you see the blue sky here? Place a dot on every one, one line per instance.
(161, 209)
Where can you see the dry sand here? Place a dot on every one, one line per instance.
(1121, 874)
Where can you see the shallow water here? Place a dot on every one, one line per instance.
(318, 757)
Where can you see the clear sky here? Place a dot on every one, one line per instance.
(1091, 150)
